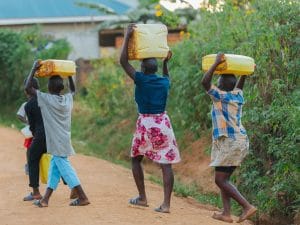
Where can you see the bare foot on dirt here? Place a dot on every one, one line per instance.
(222, 217)
(247, 214)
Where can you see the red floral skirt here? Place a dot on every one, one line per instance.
(155, 139)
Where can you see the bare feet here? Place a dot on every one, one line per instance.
(222, 217)
(138, 201)
(247, 214)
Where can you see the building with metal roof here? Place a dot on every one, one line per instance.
(74, 20)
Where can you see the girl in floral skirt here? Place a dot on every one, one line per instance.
(154, 136)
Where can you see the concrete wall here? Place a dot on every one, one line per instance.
(83, 37)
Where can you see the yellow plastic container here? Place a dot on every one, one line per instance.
(44, 167)
(52, 67)
(234, 64)
(148, 41)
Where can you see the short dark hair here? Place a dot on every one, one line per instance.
(149, 65)
(34, 83)
(56, 84)
(228, 81)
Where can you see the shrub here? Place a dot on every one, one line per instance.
(17, 52)
(268, 32)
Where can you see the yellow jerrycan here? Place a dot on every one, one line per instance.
(148, 41)
(44, 167)
(234, 64)
(51, 67)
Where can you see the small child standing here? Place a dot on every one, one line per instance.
(230, 141)
(56, 110)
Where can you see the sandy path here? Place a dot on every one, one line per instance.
(108, 187)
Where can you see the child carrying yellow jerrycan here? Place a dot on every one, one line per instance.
(230, 143)
(48, 68)
(44, 167)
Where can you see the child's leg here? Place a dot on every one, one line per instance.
(53, 180)
(138, 175)
(82, 198)
(222, 177)
(226, 214)
(36, 149)
(226, 203)
(168, 181)
(73, 194)
(44, 201)
(69, 175)
(66, 171)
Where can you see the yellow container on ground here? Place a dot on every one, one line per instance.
(148, 41)
(51, 67)
(234, 64)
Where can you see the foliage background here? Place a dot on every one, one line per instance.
(268, 31)
(17, 52)
(105, 112)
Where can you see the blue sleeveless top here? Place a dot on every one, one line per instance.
(151, 93)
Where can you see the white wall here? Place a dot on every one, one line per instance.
(83, 38)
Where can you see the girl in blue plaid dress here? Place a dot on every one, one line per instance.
(230, 141)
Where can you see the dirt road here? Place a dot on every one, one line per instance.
(108, 187)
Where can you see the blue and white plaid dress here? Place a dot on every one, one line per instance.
(230, 142)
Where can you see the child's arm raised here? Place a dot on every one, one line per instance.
(206, 80)
(165, 64)
(129, 69)
(241, 82)
(28, 85)
(71, 85)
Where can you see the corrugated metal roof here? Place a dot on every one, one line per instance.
(20, 9)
